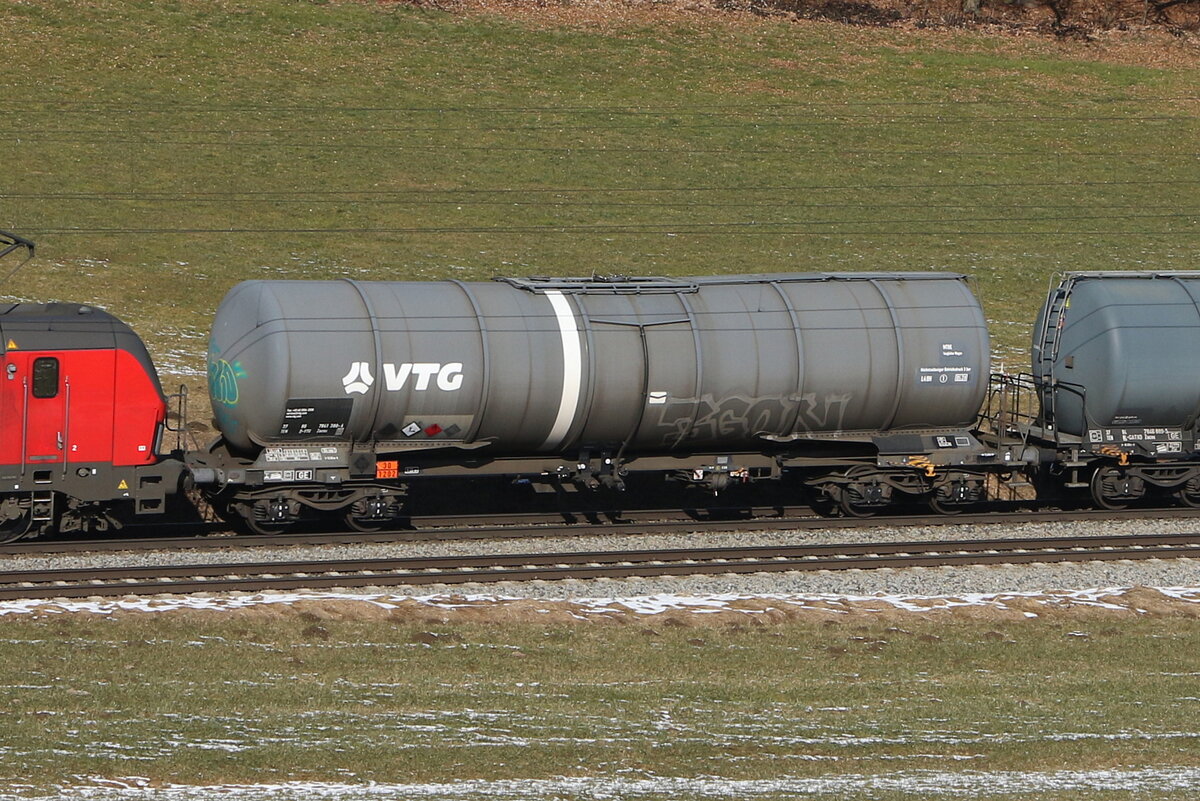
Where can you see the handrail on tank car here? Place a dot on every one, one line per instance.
(1067, 386)
(614, 284)
(180, 429)
(1003, 409)
(1005, 412)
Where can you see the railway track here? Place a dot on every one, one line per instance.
(478, 528)
(243, 577)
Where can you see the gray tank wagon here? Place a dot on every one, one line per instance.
(341, 395)
(1116, 368)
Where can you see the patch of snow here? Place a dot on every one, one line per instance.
(1100, 598)
(918, 783)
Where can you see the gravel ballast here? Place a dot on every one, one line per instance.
(914, 581)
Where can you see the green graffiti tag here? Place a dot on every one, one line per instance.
(222, 381)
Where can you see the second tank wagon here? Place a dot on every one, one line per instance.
(1114, 357)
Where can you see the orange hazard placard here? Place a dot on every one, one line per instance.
(387, 470)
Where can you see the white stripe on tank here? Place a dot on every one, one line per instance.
(572, 370)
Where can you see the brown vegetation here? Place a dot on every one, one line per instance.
(1072, 18)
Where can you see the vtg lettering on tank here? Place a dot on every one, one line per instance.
(447, 377)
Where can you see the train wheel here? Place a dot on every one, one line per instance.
(864, 495)
(372, 514)
(1113, 489)
(1189, 493)
(944, 506)
(853, 503)
(825, 505)
(13, 530)
(363, 524)
(853, 507)
(366, 525)
(264, 528)
(15, 520)
(825, 500)
(952, 497)
(267, 516)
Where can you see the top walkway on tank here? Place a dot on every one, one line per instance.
(655, 284)
(1131, 274)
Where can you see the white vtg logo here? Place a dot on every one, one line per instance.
(359, 379)
(448, 377)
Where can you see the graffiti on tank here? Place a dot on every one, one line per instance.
(222, 381)
(825, 415)
(747, 417)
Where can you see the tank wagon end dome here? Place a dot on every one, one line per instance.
(1119, 349)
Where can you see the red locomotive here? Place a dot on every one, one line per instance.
(82, 417)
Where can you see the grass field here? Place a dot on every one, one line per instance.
(161, 152)
(296, 700)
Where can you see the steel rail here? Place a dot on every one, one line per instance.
(182, 579)
(456, 531)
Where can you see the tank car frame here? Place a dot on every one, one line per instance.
(947, 470)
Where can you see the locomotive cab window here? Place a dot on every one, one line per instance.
(45, 377)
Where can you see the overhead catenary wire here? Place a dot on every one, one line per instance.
(23, 106)
(671, 226)
(1031, 154)
(602, 231)
(824, 121)
(473, 190)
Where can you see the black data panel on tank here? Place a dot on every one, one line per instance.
(315, 418)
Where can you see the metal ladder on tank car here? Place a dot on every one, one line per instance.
(1047, 343)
